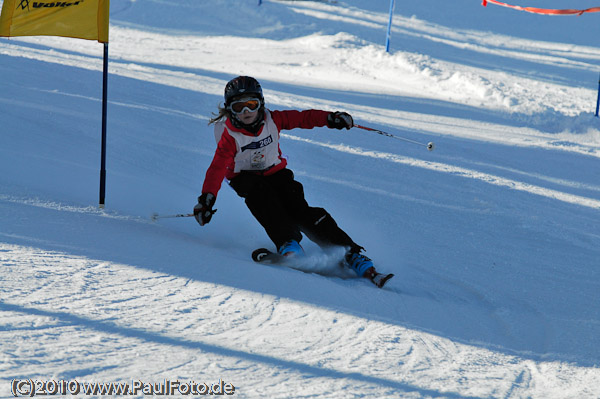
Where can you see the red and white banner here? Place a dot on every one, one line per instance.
(543, 10)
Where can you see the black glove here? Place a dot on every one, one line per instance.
(203, 210)
(339, 120)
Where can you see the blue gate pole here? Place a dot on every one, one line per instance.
(103, 148)
(389, 29)
(598, 100)
(259, 2)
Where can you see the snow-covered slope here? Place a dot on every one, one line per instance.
(494, 237)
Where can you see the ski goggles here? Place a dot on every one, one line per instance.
(246, 104)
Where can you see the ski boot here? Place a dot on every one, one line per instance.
(291, 248)
(363, 266)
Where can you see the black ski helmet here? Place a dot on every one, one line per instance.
(241, 85)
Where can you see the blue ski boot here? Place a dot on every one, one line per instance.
(358, 262)
(291, 248)
(363, 266)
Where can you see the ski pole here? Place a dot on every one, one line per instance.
(430, 146)
(156, 216)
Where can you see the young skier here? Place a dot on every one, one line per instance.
(248, 155)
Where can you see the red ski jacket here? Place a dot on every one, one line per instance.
(238, 149)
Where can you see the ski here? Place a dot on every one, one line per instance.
(380, 279)
(264, 255)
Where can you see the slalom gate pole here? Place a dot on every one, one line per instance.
(430, 146)
(156, 216)
(598, 100)
(103, 145)
(389, 28)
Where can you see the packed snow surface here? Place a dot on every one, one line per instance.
(494, 237)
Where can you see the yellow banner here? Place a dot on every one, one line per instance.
(83, 19)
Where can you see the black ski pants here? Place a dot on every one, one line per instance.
(277, 202)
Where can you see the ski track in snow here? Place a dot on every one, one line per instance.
(161, 317)
(471, 174)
